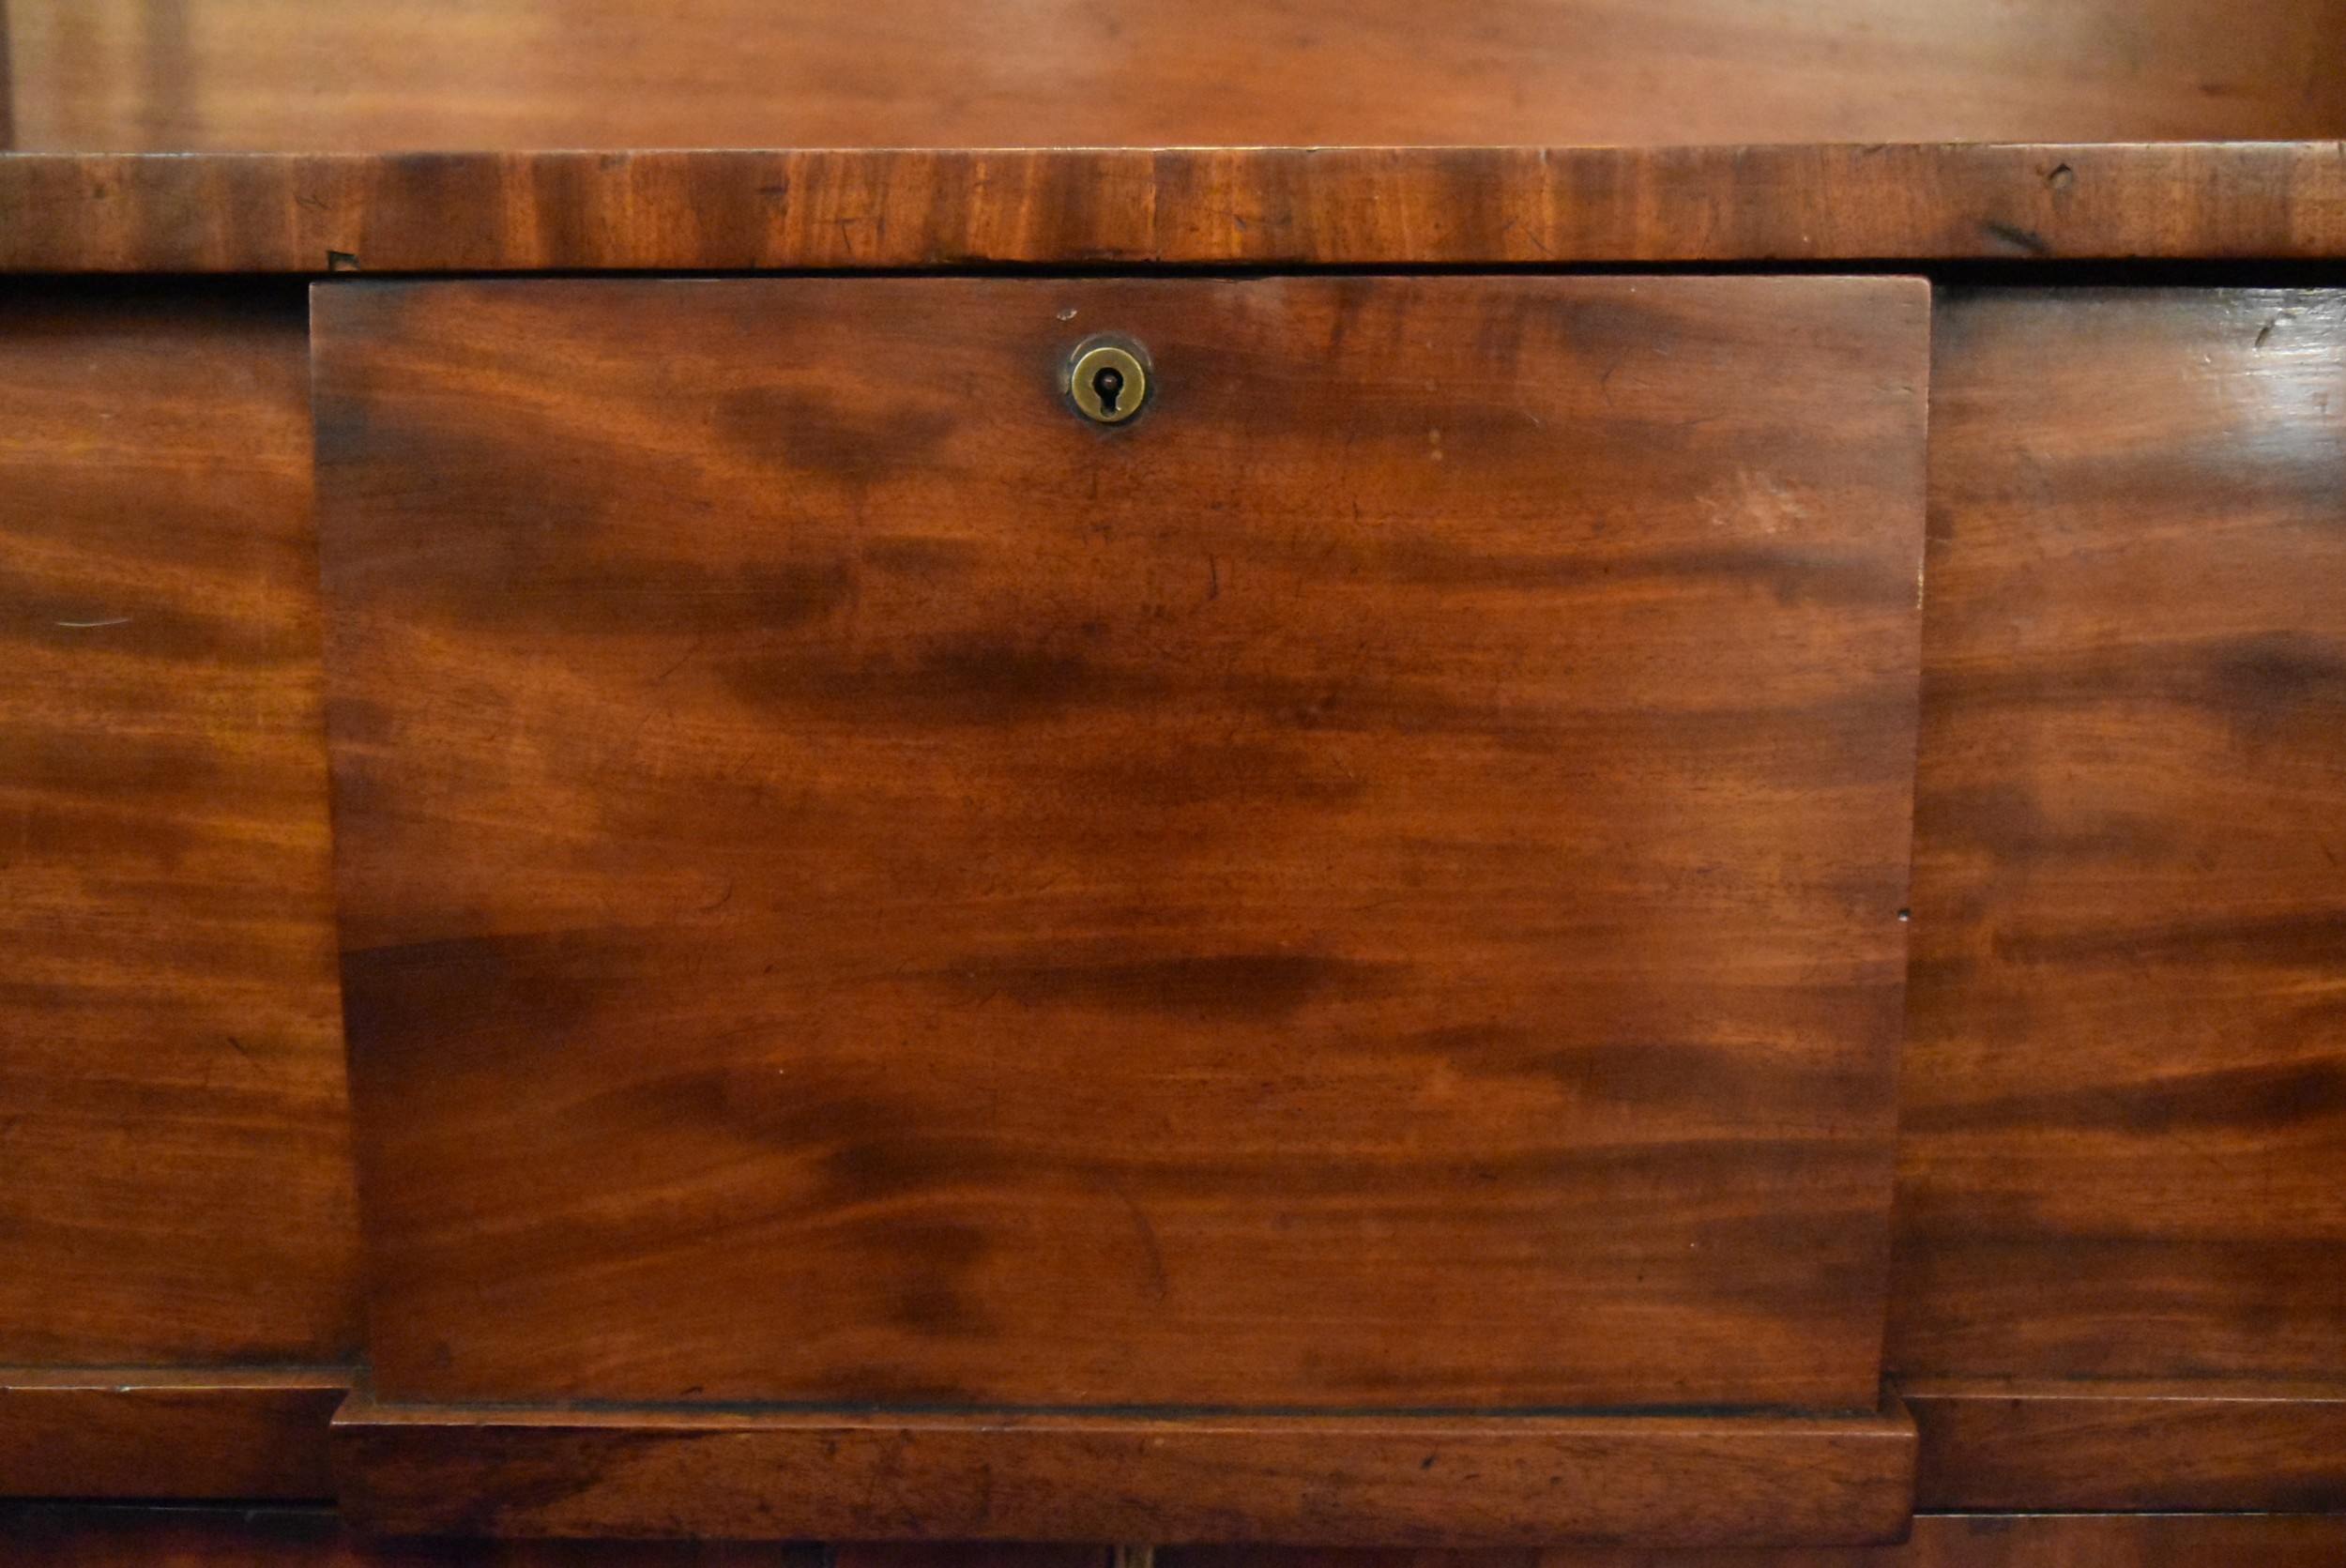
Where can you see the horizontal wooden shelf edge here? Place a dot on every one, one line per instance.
(254, 1432)
(2129, 1446)
(1326, 1479)
(871, 209)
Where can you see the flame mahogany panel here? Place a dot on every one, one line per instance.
(1375, 886)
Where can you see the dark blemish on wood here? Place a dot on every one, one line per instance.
(2263, 682)
(936, 1257)
(706, 600)
(1160, 1286)
(2007, 819)
(987, 678)
(994, 678)
(2026, 242)
(866, 1156)
(2060, 178)
(883, 1383)
(1658, 1073)
(2264, 333)
(2286, 666)
(166, 782)
(511, 546)
(201, 635)
(2267, 1098)
(1781, 1264)
(2255, 682)
(1261, 986)
(1207, 774)
(922, 557)
(2313, 941)
(1793, 574)
(867, 1149)
(417, 1006)
(340, 261)
(357, 722)
(817, 436)
(530, 1479)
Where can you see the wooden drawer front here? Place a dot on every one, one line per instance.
(1374, 886)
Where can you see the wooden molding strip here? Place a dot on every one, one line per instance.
(1325, 1480)
(169, 1432)
(1989, 1444)
(870, 208)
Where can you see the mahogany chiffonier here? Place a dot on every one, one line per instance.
(1526, 782)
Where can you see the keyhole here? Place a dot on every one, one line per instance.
(1108, 382)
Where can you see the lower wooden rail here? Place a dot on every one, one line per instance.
(249, 1433)
(2086, 1447)
(1334, 1479)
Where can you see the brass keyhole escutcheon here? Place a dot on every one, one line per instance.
(1108, 382)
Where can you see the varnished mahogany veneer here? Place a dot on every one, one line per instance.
(1369, 206)
(2060, 1444)
(1358, 1480)
(2069, 1207)
(318, 75)
(2123, 1199)
(2123, 1105)
(1374, 886)
(173, 1129)
(131, 1432)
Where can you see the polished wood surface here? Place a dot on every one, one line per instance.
(1526, 205)
(1328, 1480)
(2123, 1103)
(74, 1537)
(398, 75)
(135, 1432)
(1375, 886)
(174, 1128)
(2065, 1444)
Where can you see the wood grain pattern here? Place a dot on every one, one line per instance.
(172, 1113)
(2124, 1127)
(1497, 206)
(2070, 1445)
(1328, 1480)
(400, 75)
(1374, 886)
(8, 94)
(244, 1433)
